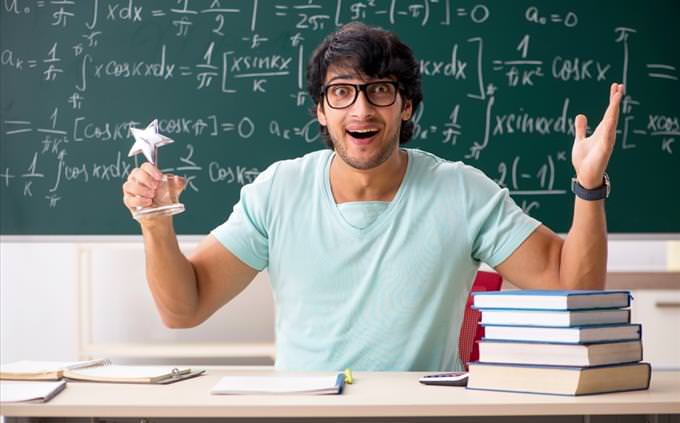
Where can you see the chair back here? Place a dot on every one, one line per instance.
(470, 331)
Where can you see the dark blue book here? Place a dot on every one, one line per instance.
(551, 300)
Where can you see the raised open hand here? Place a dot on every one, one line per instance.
(590, 155)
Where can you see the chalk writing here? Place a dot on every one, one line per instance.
(502, 82)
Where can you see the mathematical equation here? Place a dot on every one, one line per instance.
(226, 79)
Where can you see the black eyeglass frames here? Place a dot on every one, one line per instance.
(378, 93)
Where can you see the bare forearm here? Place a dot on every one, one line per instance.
(583, 263)
(169, 273)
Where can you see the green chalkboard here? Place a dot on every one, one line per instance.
(502, 82)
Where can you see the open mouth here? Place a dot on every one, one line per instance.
(363, 136)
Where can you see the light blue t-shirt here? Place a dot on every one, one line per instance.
(380, 287)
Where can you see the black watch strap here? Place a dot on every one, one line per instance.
(595, 194)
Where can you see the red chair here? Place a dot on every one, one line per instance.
(470, 330)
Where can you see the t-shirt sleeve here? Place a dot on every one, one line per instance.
(245, 233)
(496, 224)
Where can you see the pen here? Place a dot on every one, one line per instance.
(348, 375)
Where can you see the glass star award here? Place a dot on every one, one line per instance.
(166, 201)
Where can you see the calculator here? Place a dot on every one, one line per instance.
(447, 379)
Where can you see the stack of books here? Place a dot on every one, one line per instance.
(558, 342)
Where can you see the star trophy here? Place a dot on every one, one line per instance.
(166, 201)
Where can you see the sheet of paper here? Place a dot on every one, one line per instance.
(123, 371)
(37, 366)
(28, 366)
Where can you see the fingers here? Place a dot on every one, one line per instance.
(610, 118)
(580, 124)
(140, 187)
(152, 170)
(615, 95)
(611, 115)
(132, 201)
(606, 129)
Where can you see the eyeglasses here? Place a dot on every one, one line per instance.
(379, 93)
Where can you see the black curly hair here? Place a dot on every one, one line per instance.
(373, 52)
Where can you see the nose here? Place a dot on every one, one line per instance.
(361, 107)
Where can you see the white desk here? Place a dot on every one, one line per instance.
(390, 394)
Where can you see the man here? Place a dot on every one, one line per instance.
(371, 249)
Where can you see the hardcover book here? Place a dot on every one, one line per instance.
(551, 300)
(539, 353)
(564, 318)
(559, 380)
(567, 335)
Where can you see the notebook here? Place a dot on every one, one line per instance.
(22, 391)
(43, 370)
(100, 370)
(279, 385)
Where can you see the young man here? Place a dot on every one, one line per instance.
(371, 249)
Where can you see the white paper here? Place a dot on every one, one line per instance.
(35, 366)
(27, 391)
(126, 372)
(27, 366)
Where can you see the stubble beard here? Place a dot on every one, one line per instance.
(381, 157)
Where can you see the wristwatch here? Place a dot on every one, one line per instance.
(594, 194)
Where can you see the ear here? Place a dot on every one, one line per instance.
(407, 110)
(320, 115)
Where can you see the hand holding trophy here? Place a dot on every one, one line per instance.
(164, 189)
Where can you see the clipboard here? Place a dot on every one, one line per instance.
(181, 376)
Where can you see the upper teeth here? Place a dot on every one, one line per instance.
(363, 130)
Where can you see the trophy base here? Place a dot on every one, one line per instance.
(167, 210)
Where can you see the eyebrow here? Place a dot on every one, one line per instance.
(352, 76)
(346, 76)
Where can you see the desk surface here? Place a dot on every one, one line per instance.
(385, 394)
